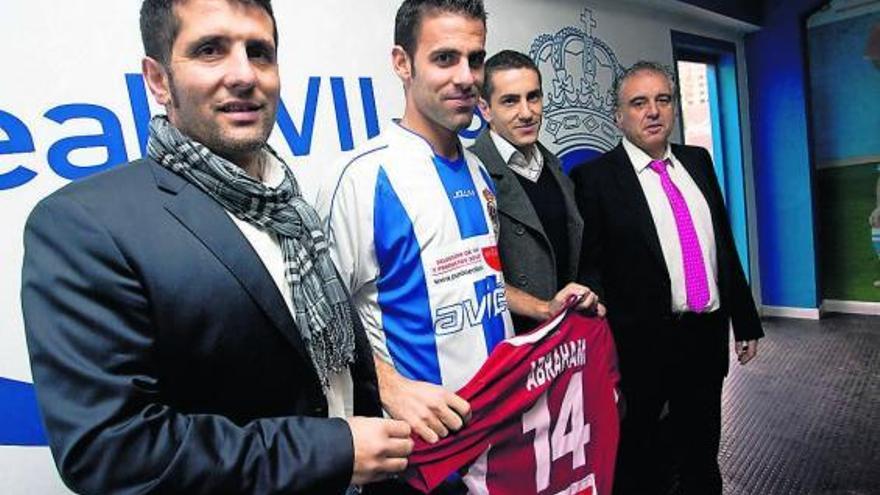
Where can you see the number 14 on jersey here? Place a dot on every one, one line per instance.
(569, 435)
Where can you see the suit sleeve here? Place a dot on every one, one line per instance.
(586, 195)
(739, 303)
(92, 347)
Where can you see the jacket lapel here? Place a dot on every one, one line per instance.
(629, 183)
(696, 172)
(516, 203)
(700, 170)
(210, 223)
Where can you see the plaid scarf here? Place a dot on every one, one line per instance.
(321, 305)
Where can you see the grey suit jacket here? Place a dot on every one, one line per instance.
(163, 355)
(527, 257)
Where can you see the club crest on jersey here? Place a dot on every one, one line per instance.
(489, 196)
(493, 259)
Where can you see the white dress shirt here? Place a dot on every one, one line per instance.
(664, 222)
(340, 396)
(527, 166)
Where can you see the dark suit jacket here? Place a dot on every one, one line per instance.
(623, 261)
(164, 357)
(527, 257)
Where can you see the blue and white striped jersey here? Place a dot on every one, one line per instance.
(414, 237)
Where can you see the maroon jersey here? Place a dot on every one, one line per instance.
(544, 416)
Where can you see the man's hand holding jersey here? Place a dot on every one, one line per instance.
(589, 299)
(523, 303)
(429, 409)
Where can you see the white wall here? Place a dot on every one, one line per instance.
(78, 51)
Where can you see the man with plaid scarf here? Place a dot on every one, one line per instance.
(188, 332)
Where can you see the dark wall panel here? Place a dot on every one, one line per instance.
(744, 10)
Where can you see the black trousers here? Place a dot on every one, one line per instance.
(687, 376)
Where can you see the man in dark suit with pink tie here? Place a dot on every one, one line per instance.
(659, 250)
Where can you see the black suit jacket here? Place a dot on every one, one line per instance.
(527, 256)
(164, 357)
(623, 261)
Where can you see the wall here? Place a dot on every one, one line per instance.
(781, 156)
(72, 103)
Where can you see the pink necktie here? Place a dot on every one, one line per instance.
(696, 284)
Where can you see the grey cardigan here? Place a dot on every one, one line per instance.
(527, 257)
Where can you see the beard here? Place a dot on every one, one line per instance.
(227, 141)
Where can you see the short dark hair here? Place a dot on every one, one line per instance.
(160, 26)
(506, 60)
(410, 14)
(644, 66)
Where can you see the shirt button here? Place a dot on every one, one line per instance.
(523, 280)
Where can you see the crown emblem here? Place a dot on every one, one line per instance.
(578, 98)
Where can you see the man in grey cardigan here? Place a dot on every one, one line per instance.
(540, 227)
